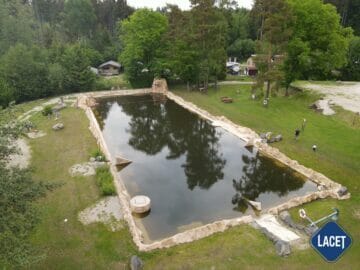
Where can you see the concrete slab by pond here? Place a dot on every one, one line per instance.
(272, 225)
(106, 211)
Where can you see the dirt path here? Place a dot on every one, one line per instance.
(346, 95)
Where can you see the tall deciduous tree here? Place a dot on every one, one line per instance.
(349, 11)
(181, 53)
(318, 44)
(25, 71)
(142, 36)
(242, 49)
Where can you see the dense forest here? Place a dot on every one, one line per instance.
(47, 46)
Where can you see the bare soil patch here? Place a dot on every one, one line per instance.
(346, 95)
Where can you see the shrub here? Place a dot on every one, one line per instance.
(98, 154)
(25, 71)
(104, 181)
(117, 82)
(78, 76)
(6, 93)
(47, 111)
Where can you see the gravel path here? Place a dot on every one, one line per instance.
(346, 95)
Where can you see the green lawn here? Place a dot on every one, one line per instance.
(337, 140)
(74, 246)
(71, 245)
(239, 78)
(117, 82)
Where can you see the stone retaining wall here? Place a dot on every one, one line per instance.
(85, 101)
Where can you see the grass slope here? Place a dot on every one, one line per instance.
(71, 245)
(337, 140)
(74, 246)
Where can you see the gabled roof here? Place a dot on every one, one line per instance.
(110, 63)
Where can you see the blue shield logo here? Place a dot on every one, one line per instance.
(331, 241)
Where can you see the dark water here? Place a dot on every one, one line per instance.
(193, 172)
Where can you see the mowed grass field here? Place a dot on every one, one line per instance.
(74, 246)
(71, 245)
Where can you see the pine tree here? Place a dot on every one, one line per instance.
(275, 32)
(209, 31)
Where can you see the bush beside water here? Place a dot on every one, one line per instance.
(98, 155)
(104, 181)
(47, 111)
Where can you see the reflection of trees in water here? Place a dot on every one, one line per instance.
(154, 126)
(147, 126)
(101, 112)
(260, 175)
(203, 165)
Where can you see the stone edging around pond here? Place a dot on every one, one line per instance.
(252, 138)
(85, 101)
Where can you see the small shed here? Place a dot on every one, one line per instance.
(110, 68)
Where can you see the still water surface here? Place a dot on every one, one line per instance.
(193, 172)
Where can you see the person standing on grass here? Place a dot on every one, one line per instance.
(297, 133)
(303, 124)
(314, 147)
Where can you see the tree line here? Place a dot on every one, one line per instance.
(186, 46)
(292, 39)
(47, 46)
(303, 39)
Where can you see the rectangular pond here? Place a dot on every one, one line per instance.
(193, 172)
